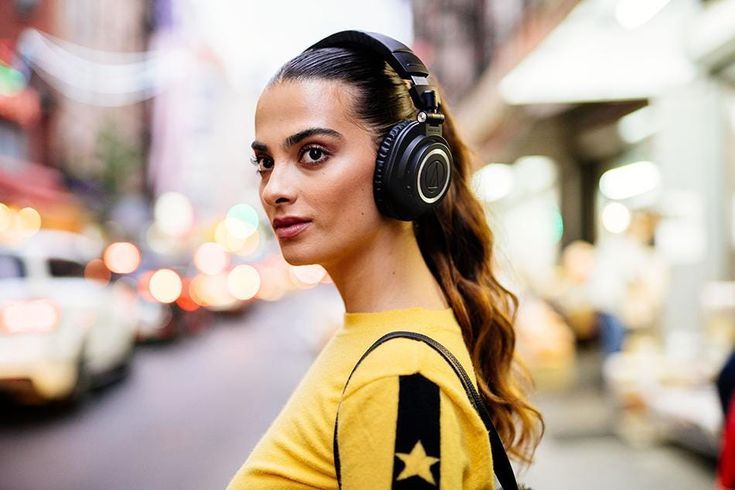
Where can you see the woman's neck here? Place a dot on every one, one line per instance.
(387, 273)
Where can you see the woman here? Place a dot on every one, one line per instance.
(404, 418)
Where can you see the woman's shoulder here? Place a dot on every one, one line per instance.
(402, 358)
(406, 416)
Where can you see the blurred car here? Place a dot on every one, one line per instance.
(156, 321)
(169, 321)
(59, 332)
(163, 319)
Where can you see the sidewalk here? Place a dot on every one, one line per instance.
(581, 450)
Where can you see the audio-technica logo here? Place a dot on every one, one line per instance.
(432, 176)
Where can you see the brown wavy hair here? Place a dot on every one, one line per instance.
(455, 241)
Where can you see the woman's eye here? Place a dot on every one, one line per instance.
(262, 162)
(313, 155)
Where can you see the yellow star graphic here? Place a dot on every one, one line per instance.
(417, 464)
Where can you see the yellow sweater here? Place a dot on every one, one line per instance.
(404, 422)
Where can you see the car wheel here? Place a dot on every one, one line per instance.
(82, 384)
(122, 370)
(116, 373)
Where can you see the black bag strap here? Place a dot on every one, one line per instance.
(503, 469)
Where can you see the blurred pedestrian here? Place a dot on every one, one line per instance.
(628, 283)
(570, 293)
(725, 388)
(726, 382)
(355, 151)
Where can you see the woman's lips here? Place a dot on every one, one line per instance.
(291, 230)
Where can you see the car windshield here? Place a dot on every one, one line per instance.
(11, 267)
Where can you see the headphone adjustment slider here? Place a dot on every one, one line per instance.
(433, 118)
(430, 99)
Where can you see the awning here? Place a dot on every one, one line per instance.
(591, 57)
(25, 183)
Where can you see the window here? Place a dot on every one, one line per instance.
(10, 267)
(12, 141)
(65, 268)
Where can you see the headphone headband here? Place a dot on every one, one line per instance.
(399, 57)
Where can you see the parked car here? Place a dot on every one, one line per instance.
(60, 333)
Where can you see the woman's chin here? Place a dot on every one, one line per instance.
(295, 258)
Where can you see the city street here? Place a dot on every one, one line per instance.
(186, 417)
(191, 411)
(178, 199)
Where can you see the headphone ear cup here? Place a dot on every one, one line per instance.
(383, 168)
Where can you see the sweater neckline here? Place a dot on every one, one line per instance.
(415, 316)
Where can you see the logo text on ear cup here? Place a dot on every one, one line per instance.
(433, 177)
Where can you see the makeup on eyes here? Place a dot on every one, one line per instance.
(327, 149)
(324, 153)
(308, 148)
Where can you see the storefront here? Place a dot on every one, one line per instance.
(641, 137)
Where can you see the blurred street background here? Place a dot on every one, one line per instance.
(150, 330)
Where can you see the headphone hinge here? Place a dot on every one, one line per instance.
(431, 118)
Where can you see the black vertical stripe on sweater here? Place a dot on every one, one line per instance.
(418, 421)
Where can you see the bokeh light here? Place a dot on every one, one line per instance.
(615, 217)
(174, 214)
(270, 290)
(185, 300)
(237, 228)
(28, 222)
(96, 270)
(232, 242)
(306, 276)
(243, 282)
(558, 221)
(6, 218)
(534, 173)
(493, 182)
(143, 286)
(163, 243)
(165, 285)
(225, 239)
(251, 245)
(197, 290)
(122, 257)
(630, 180)
(273, 282)
(211, 258)
(242, 220)
(212, 291)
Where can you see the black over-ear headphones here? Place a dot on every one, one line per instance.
(413, 167)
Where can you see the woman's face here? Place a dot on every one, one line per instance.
(317, 166)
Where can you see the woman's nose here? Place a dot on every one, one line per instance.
(279, 187)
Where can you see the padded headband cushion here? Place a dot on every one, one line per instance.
(397, 54)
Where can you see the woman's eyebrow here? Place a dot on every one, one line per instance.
(295, 138)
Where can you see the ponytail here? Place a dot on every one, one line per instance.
(457, 245)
